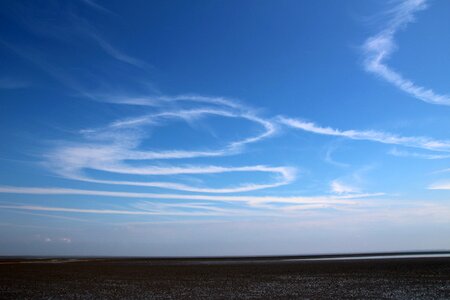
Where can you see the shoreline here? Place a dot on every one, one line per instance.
(268, 258)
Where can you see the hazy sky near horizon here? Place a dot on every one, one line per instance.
(224, 127)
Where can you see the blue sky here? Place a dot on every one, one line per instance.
(224, 127)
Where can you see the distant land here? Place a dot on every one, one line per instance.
(356, 255)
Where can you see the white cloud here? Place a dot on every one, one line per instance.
(370, 135)
(162, 100)
(378, 48)
(440, 185)
(101, 211)
(114, 52)
(328, 157)
(339, 187)
(109, 149)
(344, 199)
(403, 153)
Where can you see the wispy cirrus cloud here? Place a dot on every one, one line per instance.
(103, 211)
(93, 4)
(378, 49)
(116, 53)
(339, 187)
(440, 185)
(116, 149)
(38, 59)
(107, 149)
(344, 199)
(59, 24)
(370, 135)
(328, 156)
(351, 183)
(200, 211)
(404, 153)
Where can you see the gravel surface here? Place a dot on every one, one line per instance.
(424, 278)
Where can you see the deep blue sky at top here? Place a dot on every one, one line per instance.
(68, 67)
(297, 54)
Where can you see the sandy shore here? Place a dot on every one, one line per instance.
(387, 278)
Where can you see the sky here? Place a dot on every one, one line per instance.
(205, 128)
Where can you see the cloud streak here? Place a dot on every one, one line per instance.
(441, 185)
(344, 199)
(339, 187)
(370, 135)
(378, 49)
(102, 211)
(115, 53)
(403, 153)
(110, 148)
(98, 7)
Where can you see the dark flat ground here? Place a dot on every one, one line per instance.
(405, 278)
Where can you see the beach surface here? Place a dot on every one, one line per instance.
(244, 278)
